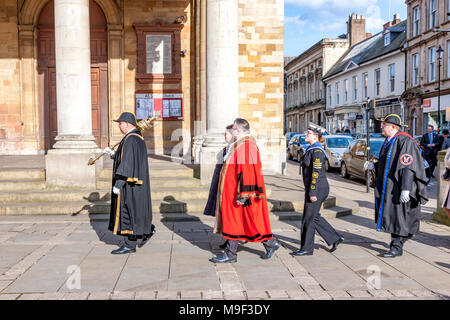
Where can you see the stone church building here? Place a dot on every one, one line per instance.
(70, 67)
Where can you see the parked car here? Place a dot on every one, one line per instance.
(335, 146)
(296, 147)
(353, 160)
(372, 135)
(351, 135)
(289, 136)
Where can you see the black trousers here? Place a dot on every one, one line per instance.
(131, 241)
(398, 241)
(232, 246)
(313, 221)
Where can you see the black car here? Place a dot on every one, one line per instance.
(353, 160)
(296, 147)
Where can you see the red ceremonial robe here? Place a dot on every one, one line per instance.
(241, 177)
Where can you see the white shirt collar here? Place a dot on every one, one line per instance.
(130, 131)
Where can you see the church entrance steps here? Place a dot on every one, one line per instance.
(179, 172)
(97, 205)
(16, 174)
(160, 182)
(22, 185)
(181, 193)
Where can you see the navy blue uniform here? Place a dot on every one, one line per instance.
(312, 166)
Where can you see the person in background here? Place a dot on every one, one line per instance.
(446, 177)
(444, 141)
(430, 142)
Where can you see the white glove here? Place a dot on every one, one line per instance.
(369, 165)
(109, 151)
(404, 196)
(116, 190)
(241, 201)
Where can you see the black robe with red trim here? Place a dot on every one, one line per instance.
(404, 171)
(241, 177)
(131, 210)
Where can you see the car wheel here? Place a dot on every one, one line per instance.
(327, 165)
(299, 156)
(288, 154)
(372, 179)
(344, 172)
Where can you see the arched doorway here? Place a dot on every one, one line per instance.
(99, 73)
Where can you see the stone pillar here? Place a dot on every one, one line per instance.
(222, 94)
(66, 164)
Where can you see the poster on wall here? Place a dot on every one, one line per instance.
(166, 106)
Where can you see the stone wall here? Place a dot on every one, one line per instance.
(10, 110)
(159, 138)
(261, 62)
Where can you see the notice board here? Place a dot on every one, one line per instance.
(163, 105)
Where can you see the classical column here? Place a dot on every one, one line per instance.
(66, 164)
(222, 95)
(73, 75)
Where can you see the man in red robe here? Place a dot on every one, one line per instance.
(241, 211)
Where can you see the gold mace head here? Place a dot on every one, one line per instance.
(145, 124)
(91, 162)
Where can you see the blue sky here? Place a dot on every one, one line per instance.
(308, 21)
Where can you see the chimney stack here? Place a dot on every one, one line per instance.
(393, 22)
(356, 28)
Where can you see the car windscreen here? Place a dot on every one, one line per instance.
(301, 139)
(375, 147)
(338, 142)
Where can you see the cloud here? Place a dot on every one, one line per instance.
(297, 21)
(333, 26)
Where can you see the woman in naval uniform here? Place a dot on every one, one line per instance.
(312, 167)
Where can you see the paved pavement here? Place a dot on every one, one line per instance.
(60, 257)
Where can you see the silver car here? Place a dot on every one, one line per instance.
(335, 146)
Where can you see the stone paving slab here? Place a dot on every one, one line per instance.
(36, 251)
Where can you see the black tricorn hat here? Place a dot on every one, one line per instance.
(394, 119)
(127, 117)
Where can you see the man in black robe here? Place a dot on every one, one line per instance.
(131, 206)
(400, 186)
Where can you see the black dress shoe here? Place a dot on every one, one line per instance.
(123, 250)
(223, 259)
(335, 245)
(392, 253)
(146, 237)
(302, 253)
(270, 252)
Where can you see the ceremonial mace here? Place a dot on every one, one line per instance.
(142, 125)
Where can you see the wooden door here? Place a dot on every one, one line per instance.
(96, 110)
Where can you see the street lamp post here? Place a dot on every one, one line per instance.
(439, 53)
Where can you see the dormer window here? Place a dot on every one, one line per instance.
(387, 38)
